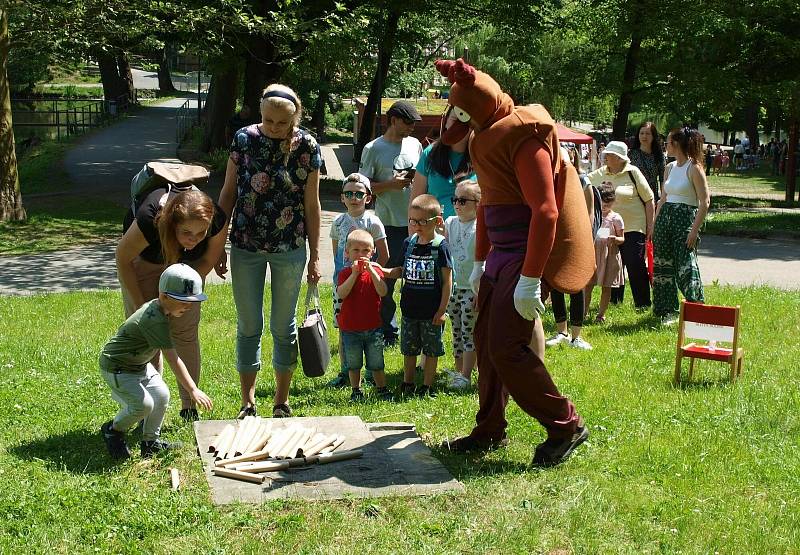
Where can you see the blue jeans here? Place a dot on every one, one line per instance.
(366, 343)
(248, 272)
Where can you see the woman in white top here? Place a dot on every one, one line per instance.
(679, 215)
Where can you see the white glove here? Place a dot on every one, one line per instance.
(475, 276)
(528, 297)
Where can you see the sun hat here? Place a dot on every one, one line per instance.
(405, 110)
(619, 148)
(358, 178)
(182, 283)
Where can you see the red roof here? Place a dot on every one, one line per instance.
(567, 135)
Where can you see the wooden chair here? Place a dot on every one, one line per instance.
(711, 324)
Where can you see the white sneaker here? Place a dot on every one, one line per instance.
(580, 343)
(459, 382)
(669, 320)
(557, 339)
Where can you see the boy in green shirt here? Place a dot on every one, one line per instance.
(125, 364)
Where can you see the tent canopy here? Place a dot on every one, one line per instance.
(567, 135)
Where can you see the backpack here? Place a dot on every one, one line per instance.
(596, 204)
(175, 178)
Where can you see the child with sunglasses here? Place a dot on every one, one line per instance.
(460, 231)
(356, 194)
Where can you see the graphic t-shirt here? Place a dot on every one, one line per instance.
(269, 214)
(361, 309)
(138, 339)
(422, 279)
(341, 228)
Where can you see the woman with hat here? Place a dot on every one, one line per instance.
(634, 202)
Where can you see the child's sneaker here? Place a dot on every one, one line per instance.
(115, 442)
(425, 391)
(406, 389)
(282, 410)
(357, 396)
(558, 339)
(246, 411)
(150, 448)
(458, 381)
(580, 343)
(383, 394)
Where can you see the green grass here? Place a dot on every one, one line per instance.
(762, 225)
(703, 468)
(754, 183)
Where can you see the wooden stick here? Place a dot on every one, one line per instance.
(292, 450)
(223, 448)
(175, 478)
(257, 456)
(272, 466)
(260, 439)
(281, 441)
(320, 445)
(217, 441)
(312, 440)
(286, 446)
(228, 453)
(333, 447)
(333, 457)
(246, 436)
(236, 475)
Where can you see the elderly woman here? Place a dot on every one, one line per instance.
(634, 202)
(681, 212)
(272, 190)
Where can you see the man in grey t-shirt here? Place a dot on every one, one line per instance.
(388, 162)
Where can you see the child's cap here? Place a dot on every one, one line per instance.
(183, 283)
(358, 178)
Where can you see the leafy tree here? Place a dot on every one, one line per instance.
(10, 197)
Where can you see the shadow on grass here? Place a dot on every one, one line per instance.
(470, 465)
(76, 451)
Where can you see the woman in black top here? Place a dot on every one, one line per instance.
(188, 227)
(647, 155)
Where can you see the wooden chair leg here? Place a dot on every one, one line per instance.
(677, 377)
(740, 366)
(734, 368)
(691, 368)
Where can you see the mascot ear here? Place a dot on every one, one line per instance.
(444, 67)
(463, 73)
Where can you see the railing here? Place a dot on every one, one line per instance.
(185, 120)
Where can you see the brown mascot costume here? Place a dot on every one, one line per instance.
(524, 231)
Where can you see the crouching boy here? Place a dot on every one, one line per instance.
(125, 364)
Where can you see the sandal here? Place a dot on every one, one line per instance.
(600, 319)
(246, 411)
(281, 411)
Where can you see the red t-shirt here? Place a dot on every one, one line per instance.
(361, 309)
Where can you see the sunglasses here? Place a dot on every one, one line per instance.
(409, 121)
(358, 195)
(461, 201)
(412, 221)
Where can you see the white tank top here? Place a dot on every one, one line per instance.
(677, 187)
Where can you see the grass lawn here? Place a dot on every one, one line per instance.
(750, 183)
(703, 468)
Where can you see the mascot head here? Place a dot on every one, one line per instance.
(475, 98)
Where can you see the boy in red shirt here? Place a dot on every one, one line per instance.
(361, 287)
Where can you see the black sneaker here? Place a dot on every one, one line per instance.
(281, 411)
(383, 394)
(150, 448)
(189, 415)
(425, 391)
(554, 450)
(406, 389)
(115, 442)
(472, 444)
(339, 381)
(246, 411)
(357, 396)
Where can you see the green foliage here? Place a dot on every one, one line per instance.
(342, 119)
(700, 468)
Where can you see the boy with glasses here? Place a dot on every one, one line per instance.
(356, 194)
(427, 272)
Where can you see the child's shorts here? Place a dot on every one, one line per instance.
(337, 308)
(367, 343)
(421, 336)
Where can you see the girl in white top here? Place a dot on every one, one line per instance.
(679, 215)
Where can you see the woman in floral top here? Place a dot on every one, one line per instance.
(272, 190)
(647, 155)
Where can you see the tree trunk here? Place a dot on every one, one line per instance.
(620, 126)
(10, 195)
(116, 76)
(385, 49)
(262, 68)
(165, 86)
(318, 115)
(751, 124)
(126, 77)
(220, 107)
(724, 136)
(791, 161)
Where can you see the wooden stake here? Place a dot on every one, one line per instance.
(281, 441)
(223, 448)
(293, 439)
(290, 451)
(333, 447)
(311, 441)
(260, 438)
(175, 478)
(257, 456)
(236, 475)
(245, 436)
(320, 445)
(219, 440)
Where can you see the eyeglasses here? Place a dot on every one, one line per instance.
(461, 201)
(359, 195)
(412, 221)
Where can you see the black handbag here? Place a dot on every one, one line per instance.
(312, 337)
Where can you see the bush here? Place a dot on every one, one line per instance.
(341, 119)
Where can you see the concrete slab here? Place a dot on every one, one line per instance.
(395, 462)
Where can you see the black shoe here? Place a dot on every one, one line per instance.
(246, 411)
(115, 442)
(150, 448)
(357, 396)
(425, 391)
(383, 394)
(406, 389)
(472, 444)
(339, 381)
(554, 450)
(281, 411)
(189, 415)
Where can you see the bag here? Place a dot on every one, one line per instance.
(650, 259)
(174, 177)
(312, 338)
(597, 205)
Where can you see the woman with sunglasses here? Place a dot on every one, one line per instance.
(441, 167)
(272, 189)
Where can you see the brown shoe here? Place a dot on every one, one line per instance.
(556, 450)
(472, 444)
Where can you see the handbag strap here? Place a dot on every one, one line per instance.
(312, 296)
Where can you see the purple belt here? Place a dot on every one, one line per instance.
(507, 227)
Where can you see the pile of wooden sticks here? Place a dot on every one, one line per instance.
(245, 451)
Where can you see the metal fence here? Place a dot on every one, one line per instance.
(185, 120)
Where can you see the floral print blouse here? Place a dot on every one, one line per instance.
(652, 170)
(269, 214)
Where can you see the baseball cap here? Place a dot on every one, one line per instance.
(183, 283)
(403, 109)
(358, 178)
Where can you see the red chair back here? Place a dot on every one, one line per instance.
(709, 314)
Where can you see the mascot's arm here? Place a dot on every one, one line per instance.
(535, 175)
